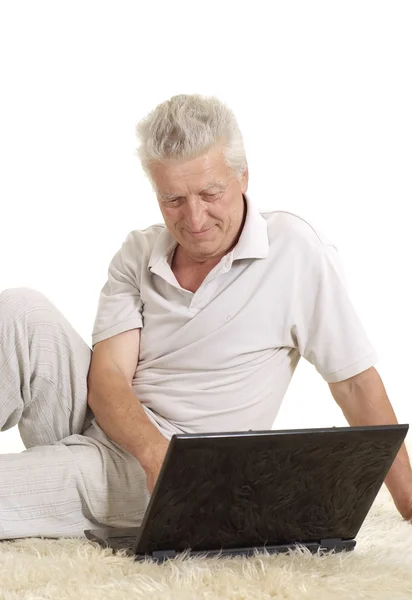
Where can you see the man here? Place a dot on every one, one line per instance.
(200, 326)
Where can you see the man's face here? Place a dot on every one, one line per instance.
(201, 202)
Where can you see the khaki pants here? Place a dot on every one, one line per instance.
(71, 476)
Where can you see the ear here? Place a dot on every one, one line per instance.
(244, 181)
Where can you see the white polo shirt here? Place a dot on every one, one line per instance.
(221, 359)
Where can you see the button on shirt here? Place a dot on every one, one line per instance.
(222, 358)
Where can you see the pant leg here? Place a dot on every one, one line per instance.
(78, 483)
(43, 370)
(72, 476)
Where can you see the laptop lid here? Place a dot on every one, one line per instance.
(251, 489)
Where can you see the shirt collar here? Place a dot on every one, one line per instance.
(253, 241)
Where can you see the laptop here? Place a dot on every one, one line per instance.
(228, 494)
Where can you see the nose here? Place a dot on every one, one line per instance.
(196, 216)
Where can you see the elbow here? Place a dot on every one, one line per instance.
(90, 399)
(91, 392)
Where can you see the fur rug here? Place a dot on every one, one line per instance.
(380, 567)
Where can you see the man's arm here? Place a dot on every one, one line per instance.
(115, 406)
(364, 401)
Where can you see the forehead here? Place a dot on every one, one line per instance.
(194, 175)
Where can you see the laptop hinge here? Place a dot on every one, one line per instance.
(163, 554)
(331, 542)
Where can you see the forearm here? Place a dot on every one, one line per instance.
(365, 402)
(121, 416)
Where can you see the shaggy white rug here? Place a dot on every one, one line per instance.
(72, 569)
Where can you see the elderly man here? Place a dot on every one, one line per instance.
(199, 327)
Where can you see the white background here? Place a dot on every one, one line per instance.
(323, 95)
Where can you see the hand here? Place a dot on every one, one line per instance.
(404, 506)
(406, 511)
(152, 468)
(151, 478)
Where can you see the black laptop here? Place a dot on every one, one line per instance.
(241, 493)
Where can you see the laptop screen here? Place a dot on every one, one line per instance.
(275, 487)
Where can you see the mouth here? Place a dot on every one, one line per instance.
(200, 233)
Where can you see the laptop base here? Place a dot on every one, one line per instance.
(127, 543)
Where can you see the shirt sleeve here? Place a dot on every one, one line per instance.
(327, 329)
(120, 305)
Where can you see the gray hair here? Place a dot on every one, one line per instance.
(187, 126)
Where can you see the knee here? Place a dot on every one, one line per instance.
(20, 293)
(14, 300)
